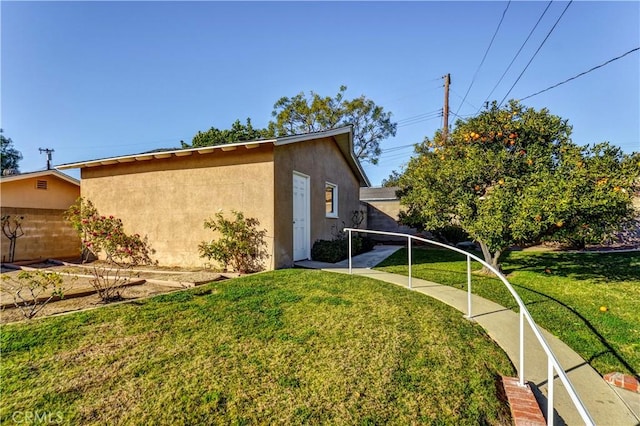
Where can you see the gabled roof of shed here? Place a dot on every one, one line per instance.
(342, 135)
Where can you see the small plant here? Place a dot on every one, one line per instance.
(105, 235)
(241, 244)
(12, 229)
(32, 290)
(109, 283)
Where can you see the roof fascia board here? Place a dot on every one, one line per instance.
(309, 136)
(42, 173)
(164, 154)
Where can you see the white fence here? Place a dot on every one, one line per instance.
(553, 366)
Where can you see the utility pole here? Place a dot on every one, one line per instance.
(49, 152)
(445, 112)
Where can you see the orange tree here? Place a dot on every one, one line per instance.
(512, 175)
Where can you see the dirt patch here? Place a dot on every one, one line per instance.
(79, 293)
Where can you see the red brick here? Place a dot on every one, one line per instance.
(623, 381)
(524, 407)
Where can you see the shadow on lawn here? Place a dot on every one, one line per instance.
(609, 349)
(599, 267)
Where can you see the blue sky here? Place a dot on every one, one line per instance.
(99, 79)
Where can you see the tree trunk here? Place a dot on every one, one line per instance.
(491, 258)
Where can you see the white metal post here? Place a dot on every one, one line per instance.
(521, 365)
(469, 287)
(549, 391)
(409, 241)
(349, 251)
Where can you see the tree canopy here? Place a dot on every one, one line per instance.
(9, 155)
(312, 113)
(237, 133)
(512, 175)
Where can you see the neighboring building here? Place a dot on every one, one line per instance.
(299, 188)
(41, 198)
(383, 210)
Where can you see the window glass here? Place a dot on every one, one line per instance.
(331, 200)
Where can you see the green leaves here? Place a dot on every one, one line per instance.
(9, 156)
(314, 113)
(237, 133)
(106, 234)
(513, 176)
(240, 245)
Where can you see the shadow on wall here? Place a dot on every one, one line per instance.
(383, 216)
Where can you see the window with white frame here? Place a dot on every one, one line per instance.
(331, 199)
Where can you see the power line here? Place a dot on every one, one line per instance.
(536, 52)
(460, 96)
(398, 148)
(420, 118)
(485, 56)
(582, 73)
(438, 111)
(462, 116)
(518, 53)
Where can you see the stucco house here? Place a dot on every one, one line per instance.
(41, 199)
(301, 188)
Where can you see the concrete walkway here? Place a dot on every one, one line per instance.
(606, 405)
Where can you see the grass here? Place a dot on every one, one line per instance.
(563, 292)
(284, 347)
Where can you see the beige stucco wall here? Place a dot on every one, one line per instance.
(46, 235)
(168, 199)
(323, 162)
(383, 215)
(59, 194)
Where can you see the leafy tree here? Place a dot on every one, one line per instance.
(513, 176)
(313, 113)
(393, 179)
(237, 133)
(9, 155)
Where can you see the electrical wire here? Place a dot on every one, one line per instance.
(582, 73)
(460, 96)
(485, 56)
(518, 53)
(438, 111)
(536, 52)
(420, 121)
(397, 148)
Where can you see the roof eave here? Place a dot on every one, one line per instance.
(41, 173)
(164, 154)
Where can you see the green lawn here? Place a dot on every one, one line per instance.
(285, 347)
(563, 292)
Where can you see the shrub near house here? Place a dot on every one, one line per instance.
(333, 251)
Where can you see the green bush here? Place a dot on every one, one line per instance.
(241, 245)
(332, 251)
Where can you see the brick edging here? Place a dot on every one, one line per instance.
(624, 381)
(524, 407)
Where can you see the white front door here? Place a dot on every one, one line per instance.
(301, 235)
